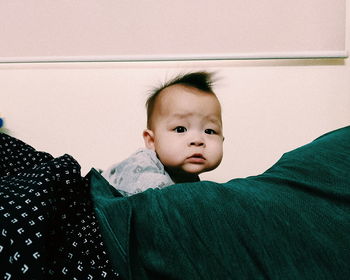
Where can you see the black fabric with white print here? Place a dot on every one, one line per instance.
(48, 229)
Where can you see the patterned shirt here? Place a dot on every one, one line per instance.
(141, 171)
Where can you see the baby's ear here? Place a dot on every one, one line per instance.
(148, 138)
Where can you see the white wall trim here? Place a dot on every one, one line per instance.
(191, 57)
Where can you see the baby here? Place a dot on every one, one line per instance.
(183, 139)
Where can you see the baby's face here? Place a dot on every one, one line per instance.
(187, 130)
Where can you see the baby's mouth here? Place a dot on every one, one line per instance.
(196, 158)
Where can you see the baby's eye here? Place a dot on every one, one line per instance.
(180, 129)
(210, 131)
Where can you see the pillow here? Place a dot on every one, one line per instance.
(291, 222)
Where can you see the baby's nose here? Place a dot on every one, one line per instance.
(197, 143)
(197, 140)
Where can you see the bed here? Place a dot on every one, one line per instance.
(290, 222)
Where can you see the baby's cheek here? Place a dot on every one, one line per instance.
(218, 151)
(167, 156)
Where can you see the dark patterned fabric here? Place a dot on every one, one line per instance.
(48, 229)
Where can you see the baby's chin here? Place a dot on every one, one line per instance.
(193, 171)
(196, 170)
(180, 175)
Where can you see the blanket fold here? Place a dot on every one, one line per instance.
(291, 222)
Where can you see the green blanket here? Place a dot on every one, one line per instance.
(291, 222)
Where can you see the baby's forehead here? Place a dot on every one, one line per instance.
(187, 108)
(187, 117)
(179, 100)
(180, 92)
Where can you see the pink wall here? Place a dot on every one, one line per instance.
(144, 29)
(95, 111)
